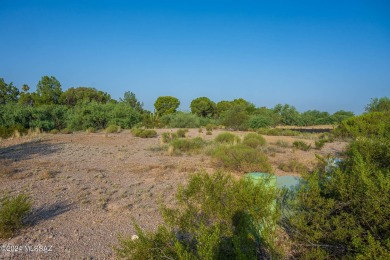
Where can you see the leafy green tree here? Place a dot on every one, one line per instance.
(48, 91)
(166, 105)
(341, 115)
(8, 92)
(378, 105)
(222, 106)
(259, 121)
(235, 118)
(288, 114)
(203, 107)
(249, 107)
(72, 96)
(130, 99)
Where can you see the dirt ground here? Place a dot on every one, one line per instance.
(86, 188)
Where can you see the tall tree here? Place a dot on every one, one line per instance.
(48, 90)
(203, 107)
(378, 105)
(130, 99)
(8, 92)
(73, 96)
(165, 105)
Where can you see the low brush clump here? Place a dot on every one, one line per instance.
(227, 138)
(12, 212)
(113, 129)
(278, 132)
(181, 133)
(254, 140)
(293, 166)
(187, 145)
(241, 158)
(301, 145)
(144, 133)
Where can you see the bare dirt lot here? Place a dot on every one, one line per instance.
(86, 187)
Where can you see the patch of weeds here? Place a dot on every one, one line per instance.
(278, 132)
(54, 131)
(187, 145)
(66, 131)
(293, 166)
(320, 143)
(241, 158)
(181, 133)
(113, 129)
(168, 137)
(301, 145)
(12, 212)
(200, 130)
(209, 133)
(46, 174)
(282, 144)
(227, 138)
(144, 133)
(254, 140)
(5, 169)
(90, 130)
(210, 127)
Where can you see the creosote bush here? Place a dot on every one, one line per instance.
(344, 212)
(113, 129)
(227, 138)
(254, 140)
(181, 133)
(187, 145)
(12, 212)
(241, 158)
(144, 133)
(293, 166)
(216, 217)
(301, 145)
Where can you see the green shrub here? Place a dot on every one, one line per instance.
(344, 212)
(278, 132)
(375, 124)
(181, 133)
(144, 133)
(54, 131)
(260, 121)
(210, 127)
(66, 131)
(209, 133)
(241, 158)
(216, 217)
(282, 144)
(293, 166)
(320, 143)
(227, 138)
(90, 130)
(254, 140)
(187, 145)
(167, 137)
(12, 212)
(301, 145)
(112, 129)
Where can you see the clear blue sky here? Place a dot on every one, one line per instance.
(316, 54)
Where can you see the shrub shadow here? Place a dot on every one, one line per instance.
(27, 150)
(45, 212)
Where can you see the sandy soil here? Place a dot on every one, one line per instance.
(87, 187)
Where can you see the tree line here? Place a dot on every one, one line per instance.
(80, 108)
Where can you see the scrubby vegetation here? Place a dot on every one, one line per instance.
(144, 133)
(241, 158)
(12, 213)
(227, 138)
(187, 145)
(253, 140)
(294, 166)
(216, 217)
(301, 145)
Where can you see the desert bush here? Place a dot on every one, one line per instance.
(181, 120)
(12, 212)
(144, 133)
(278, 132)
(90, 130)
(241, 158)
(112, 129)
(187, 145)
(216, 217)
(254, 140)
(320, 143)
(54, 131)
(227, 138)
(259, 121)
(181, 133)
(209, 132)
(301, 145)
(343, 213)
(210, 127)
(375, 124)
(282, 144)
(66, 131)
(293, 166)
